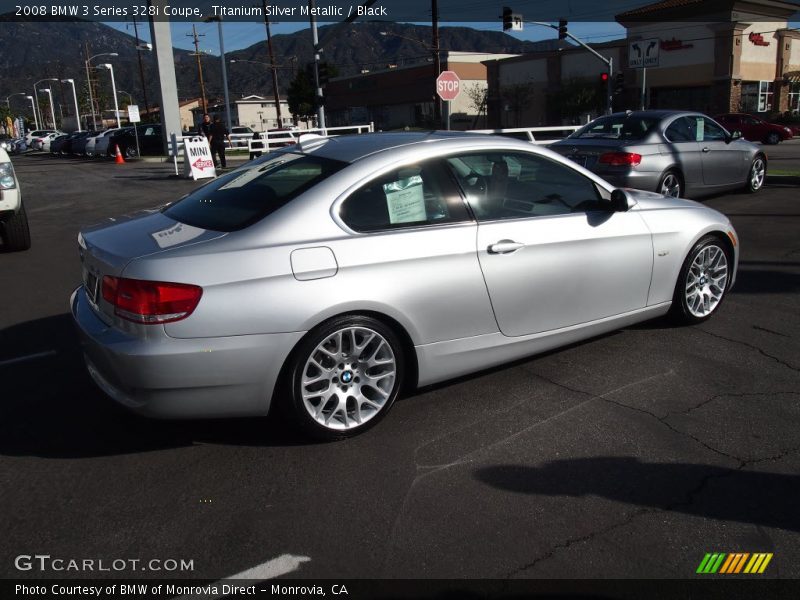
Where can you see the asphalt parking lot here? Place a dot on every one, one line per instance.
(627, 456)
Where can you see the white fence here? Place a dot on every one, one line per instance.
(277, 139)
(527, 133)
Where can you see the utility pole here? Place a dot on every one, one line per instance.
(90, 84)
(197, 53)
(141, 67)
(437, 62)
(275, 92)
(317, 50)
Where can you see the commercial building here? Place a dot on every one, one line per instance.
(404, 96)
(712, 55)
(257, 112)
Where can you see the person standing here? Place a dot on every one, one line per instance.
(216, 139)
(204, 128)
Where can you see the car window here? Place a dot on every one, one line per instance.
(508, 185)
(412, 196)
(683, 129)
(708, 131)
(241, 198)
(617, 127)
(751, 121)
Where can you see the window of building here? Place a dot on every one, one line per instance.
(508, 185)
(412, 196)
(756, 96)
(794, 97)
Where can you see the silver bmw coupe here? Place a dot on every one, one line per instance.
(331, 275)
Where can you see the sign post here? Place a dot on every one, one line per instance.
(133, 117)
(448, 87)
(197, 160)
(641, 55)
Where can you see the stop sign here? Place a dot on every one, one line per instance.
(448, 85)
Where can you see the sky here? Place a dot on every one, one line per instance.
(241, 35)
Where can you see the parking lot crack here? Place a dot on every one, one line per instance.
(753, 347)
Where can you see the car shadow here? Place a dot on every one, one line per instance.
(760, 498)
(51, 408)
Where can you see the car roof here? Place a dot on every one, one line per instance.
(350, 148)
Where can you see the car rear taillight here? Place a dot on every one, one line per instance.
(619, 159)
(150, 302)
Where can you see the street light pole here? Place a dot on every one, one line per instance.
(36, 95)
(33, 107)
(75, 98)
(52, 110)
(110, 67)
(89, 81)
(225, 92)
(317, 49)
(8, 99)
(274, 70)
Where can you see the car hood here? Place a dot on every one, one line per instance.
(118, 241)
(653, 201)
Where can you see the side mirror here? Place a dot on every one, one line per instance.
(735, 135)
(619, 200)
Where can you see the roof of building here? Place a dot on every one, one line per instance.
(695, 9)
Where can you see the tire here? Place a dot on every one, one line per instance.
(703, 282)
(670, 184)
(16, 233)
(331, 396)
(772, 138)
(129, 152)
(757, 174)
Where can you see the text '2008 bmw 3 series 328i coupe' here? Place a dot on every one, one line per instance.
(333, 274)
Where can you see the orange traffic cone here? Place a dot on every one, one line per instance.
(119, 160)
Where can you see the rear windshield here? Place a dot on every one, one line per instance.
(239, 199)
(617, 127)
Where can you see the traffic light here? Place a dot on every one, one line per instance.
(508, 18)
(619, 83)
(604, 77)
(562, 29)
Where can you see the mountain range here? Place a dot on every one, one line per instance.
(35, 50)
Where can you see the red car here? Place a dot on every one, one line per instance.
(755, 129)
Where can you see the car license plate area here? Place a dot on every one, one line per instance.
(581, 159)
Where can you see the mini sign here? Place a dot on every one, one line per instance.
(197, 160)
(643, 54)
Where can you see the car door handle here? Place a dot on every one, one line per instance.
(706, 149)
(505, 247)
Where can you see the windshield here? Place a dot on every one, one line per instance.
(617, 127)
(239, 199)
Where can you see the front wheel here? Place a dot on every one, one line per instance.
(773, 138)
(670, 185)
(345, 376)
(756, 175)
(703, 281)
(16, 233)
(130, 152)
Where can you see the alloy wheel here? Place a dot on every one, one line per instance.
(706, 281)
(757, 174)
(671, 185)
(348, 378)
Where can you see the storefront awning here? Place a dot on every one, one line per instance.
(792, 76)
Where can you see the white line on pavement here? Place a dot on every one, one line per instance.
(285, 563)
(19, 359)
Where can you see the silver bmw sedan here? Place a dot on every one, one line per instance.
(329, 276)
(677, 153)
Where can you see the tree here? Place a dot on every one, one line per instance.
(575, 98)
(300, 96)
(477, 95)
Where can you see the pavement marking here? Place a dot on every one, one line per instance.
(285, 563)
(19, 359)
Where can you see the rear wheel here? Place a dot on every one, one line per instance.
(345, 376)
(671, 184)
(703, 281)
(756, 175)
(16, 233)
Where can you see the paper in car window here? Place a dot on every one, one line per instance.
(177, 234)
(514, 167)
(405, 200)
(700, 130)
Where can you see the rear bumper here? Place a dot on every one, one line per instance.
(166, 377)
(640, 180)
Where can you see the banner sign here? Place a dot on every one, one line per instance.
(197, 160)
(133, 114)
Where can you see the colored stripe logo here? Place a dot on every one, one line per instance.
(734, 563)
